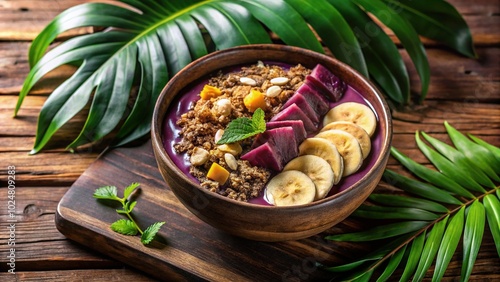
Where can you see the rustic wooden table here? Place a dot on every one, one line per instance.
(465, 92)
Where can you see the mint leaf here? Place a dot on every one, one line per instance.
(258, 122)
(130, 189)
(106, 193)
(150, 232)
(125, 227)
(243, 128)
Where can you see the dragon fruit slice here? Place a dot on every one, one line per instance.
(302, 103)
(316, 100)
(297, 125)
(327, 83)
(274, 148)
(264, 156)
(293, 112)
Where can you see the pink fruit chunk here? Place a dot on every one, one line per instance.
(297, 125)
(316, 100)
(293, 112)
(264, 156)
(302, 103)
(327, 83)
(281, 140)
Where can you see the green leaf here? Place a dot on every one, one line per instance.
(493, 149)
(381, 212)
(473, 234)
(130, 189)
(413, 257)
(392, 265)
(492, 207)
(336, 33)
(482, 157)
(384, 62)
(419, 188)
(125, 227)
(448, 168)
(406, 34)
(405, 201)
(285, 21)
(460, 160)
(430, 249)
(150, 232)
(243, 128)
(430, 175)
(380, 232)
(449, 244)
(106, 193)
(437, 20)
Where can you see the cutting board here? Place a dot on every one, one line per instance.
(186, 248)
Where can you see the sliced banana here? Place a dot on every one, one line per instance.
(315, 168)
(348, 147)
(290, 188)
(356, 131)
(324, 149)
(356, 113)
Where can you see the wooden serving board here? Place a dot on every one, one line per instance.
(187, 248)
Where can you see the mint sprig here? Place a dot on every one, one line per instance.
(243, 128)
(127, 226)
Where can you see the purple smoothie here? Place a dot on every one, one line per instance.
(190, 95)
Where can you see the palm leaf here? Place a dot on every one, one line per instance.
(122, 68)
(435, 238)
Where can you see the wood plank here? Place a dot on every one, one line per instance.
(94, 275)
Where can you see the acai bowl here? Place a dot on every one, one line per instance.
(259, 202)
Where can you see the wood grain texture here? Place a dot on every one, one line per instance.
(463, 91)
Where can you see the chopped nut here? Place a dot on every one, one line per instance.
(273, 91)
(248, 81)
(232, 148)
(218, 135)
(231, 161)
(222, 107)
(199, 156)
(280, 80)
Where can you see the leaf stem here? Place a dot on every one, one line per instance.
(127, 212)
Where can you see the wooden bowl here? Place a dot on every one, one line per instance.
(260, 222)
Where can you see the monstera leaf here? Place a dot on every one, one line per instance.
(141, 44)
(450, 205)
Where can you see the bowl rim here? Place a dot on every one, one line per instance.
(158, 119)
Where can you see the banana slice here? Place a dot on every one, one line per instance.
(290, 188)
(317, 169)
(325, 149)
(356, 131)
(348, 147)
(356, 113)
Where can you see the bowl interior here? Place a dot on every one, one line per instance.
(173, 98)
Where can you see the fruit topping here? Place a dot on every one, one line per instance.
(254, 100)
(356, 113)
(317, 169)
(302, 103)
(290, 188)
(297, 125)
(218, 173)
(293, 112)
(348, 147)
(325, 149)
(327, 83)
(356, 131)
